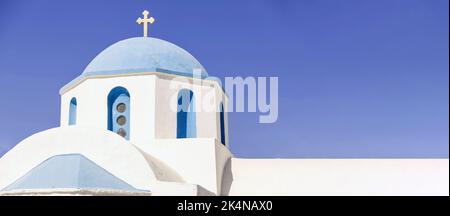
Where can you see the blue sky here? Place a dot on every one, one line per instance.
(357, 78)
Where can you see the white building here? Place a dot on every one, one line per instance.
(134, 123)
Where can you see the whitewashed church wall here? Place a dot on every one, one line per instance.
(336, 177)
(166, 117)
(92, 108)
(106, 149)
(193, 159)
(223, 155)
(151, 99)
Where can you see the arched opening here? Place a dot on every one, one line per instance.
(119, 111)
(222, 124)
(73, 111)
(186, 119)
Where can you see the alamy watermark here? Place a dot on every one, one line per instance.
(257, 94)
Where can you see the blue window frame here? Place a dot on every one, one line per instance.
(222, 124)
(186, 119)
(119, 111)
(73, 111)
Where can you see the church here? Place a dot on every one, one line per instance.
(131, 124)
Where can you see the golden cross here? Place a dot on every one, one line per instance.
(145, 21)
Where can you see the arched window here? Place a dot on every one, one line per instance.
(222, 124)
(73, 111)
(119, 111)
(186, 125)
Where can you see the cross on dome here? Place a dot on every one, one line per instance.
(144, 21)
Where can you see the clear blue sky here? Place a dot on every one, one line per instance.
(357, 78)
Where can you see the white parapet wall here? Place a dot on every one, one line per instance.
(198, 161)
(336, 177)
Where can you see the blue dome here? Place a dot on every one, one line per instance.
(144, 54)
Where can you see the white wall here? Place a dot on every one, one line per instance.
(198, 161)
(175, 167)
(151, 95)
(108, 150)
(92, 108)
(167, 89)
(336, 177)
(153, 122)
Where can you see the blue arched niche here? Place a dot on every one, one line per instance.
(119, 111)
(186, 119)
(73, 111)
